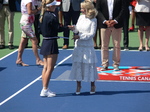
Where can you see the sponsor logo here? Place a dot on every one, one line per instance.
(126, 73)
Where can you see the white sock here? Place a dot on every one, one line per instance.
(44, 89)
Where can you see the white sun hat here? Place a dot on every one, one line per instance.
(53, 3)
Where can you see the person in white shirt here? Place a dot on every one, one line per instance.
(84, 57)
(7, 12)
(27, 19)
(111, 18)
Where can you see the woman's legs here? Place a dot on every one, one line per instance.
(20, 51)
(49, 63)
(22, 45)
(35, 50)
(140, 34)
(78, 87)
(147, 36)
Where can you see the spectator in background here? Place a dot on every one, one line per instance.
(98, 32)
(27, 19)
(59, 13)
(36, 22)
(37, 4)
(132, 3)
(71, 13)
(142, 10)
(126, 25)
(7, 12)
(110, 15)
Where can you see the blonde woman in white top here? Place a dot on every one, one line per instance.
(84, 57)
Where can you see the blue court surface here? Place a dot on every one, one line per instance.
(20, 87)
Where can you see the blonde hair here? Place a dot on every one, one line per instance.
(88, 5)
(44, 2)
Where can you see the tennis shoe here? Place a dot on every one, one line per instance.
(47, 93)
(104, 68)
(116, 68)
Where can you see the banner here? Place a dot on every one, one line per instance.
(126, 73)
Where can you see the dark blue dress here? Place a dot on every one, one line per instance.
(49, 28)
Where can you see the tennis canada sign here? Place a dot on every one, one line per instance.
(126, 73)
(135, 78)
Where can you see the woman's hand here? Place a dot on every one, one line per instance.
(76, 37)
(32, 11)
(71, 27)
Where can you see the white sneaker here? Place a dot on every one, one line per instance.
(126, 49)
(47, 93)
(112, 49)
(116, 68)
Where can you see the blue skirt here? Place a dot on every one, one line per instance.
(49, 46)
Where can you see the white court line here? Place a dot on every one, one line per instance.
(31, 83)
(8, 55)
